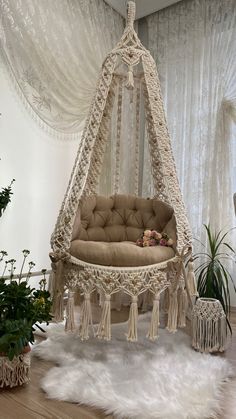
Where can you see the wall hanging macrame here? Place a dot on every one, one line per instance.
(93, 244)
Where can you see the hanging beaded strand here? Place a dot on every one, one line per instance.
(137, 126)
(118, 135)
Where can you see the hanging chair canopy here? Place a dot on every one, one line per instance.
(94, 237)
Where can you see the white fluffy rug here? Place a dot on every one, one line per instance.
(165, 379)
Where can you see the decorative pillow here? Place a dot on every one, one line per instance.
(153, 238)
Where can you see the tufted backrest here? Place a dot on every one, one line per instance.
(121, 218)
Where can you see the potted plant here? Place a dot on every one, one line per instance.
(212, 274)
(22, 308)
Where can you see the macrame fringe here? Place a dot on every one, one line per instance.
(182, 305)
(130, 78)
(57, 291)
(58, 307)
(16, 372)
(209, 335)
(222, 334)
(132, 335)
(104, 328)
(85, 318)
(172, 313)
(70, 320)
(191, 280)
(155, 320)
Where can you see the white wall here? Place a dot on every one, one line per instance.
(41, 166)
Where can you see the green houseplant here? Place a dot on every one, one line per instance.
(213, 276)
(22, 309)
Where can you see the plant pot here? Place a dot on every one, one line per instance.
(16, 372)
(209, 328)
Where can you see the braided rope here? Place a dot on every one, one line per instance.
(131, 9)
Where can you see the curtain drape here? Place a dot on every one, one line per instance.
(54, 50)
(194, 45)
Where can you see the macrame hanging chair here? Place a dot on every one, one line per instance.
(93, 244)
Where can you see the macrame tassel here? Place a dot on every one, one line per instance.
(70, 320)
(153, 329)
(191, 280)
(104, 328)
(51, 282)
(85, 317)
(133, 320)
(58, 307)
(172, 313)
(130, 78)
(182, 305)
(57, 291)
(166, 300)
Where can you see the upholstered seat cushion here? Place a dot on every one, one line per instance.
(123, 253)
(122, 218)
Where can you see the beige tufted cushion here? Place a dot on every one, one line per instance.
(106, 229)
(120, 218)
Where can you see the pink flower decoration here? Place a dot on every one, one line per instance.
(158, 236)
(139, 242)
(162, 242)
(147, 233)
(152, 242)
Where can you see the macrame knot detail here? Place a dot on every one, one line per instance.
(131, 9)
(130, 78)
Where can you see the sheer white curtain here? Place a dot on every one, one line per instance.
(54, 50)
(194, 44)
